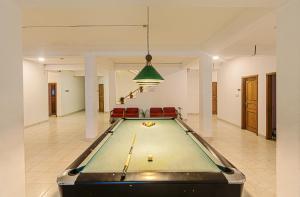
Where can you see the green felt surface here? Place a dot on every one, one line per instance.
(172, 149)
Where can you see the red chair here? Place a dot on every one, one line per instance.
(132, 112)
(156, 112)
(117, 113)
(170, 112)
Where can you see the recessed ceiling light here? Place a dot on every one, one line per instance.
(41, 59)
(216, 57)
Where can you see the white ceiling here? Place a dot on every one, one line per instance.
(261, 33)
(133, 62)
(70, 60)
(225, 27)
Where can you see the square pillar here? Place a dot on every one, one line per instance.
(91, 107)
(112, 89)
(12, 162)
(106, 92)
(205, 96)
(288, 100)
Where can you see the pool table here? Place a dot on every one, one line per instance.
(163, 158)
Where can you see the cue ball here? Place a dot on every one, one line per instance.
(150, 158)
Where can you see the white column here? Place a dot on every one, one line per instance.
(12, 164)
(106, 92)
(205, 97)
(91, 96)
(112, 89)
(288, 100)
(184, 94)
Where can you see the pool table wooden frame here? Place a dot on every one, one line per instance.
(227, 183)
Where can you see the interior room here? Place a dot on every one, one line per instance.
(150, 98)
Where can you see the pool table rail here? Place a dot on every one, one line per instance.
(211, 149)
(233, 175)
(90, 149)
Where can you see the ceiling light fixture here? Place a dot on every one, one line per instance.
(41, 59)
(148, 76)
(216, 57)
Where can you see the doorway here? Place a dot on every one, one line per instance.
(101, 98)
(271, 106)
(52, 99)
(214, 98)
(250, 103)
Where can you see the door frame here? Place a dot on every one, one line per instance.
(243, 102)
(50, 100)
(101, 84)
(214, 82)
(269, 106)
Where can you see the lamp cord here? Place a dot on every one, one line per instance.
(148, 22)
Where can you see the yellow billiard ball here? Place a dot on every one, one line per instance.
(150, 158)
(148, 124)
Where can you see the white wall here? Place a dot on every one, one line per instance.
(229, 80)
(214, 76)
(35, 85)
(288, 101)
(103, 78)
(124, 82)
(12, 165)
(193, 89)
(70, 91)
(172, 92)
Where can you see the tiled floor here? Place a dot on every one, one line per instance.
(253, 155)
(53, 145)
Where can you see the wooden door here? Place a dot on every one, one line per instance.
(101, 98)
(214, 98)
(271, 106)
(250, 92)
(52, 95)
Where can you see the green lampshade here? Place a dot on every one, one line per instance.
(148, 76)
(148, 73)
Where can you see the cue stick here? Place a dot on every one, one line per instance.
(128, 158)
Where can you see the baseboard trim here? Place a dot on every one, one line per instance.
(34, 124)
(193, 113)
(68, 114)
(239, 126)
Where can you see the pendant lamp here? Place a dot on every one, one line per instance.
(148, 76)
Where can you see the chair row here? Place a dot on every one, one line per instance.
(134, 112)
(130, 112)
(163, 112)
